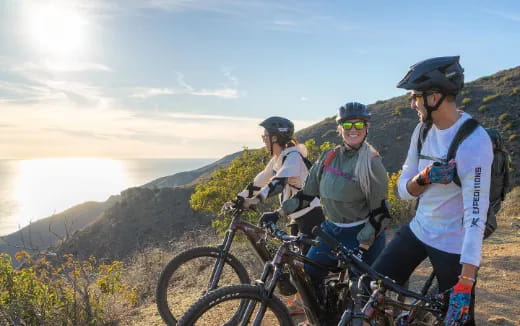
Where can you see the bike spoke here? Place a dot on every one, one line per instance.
(190, 282)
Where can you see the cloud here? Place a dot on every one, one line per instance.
(304, 99)
(187, 89)
(228, 73)
(227, 93)
(64, 66)
(70, 130)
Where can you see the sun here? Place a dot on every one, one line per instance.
(56, 28)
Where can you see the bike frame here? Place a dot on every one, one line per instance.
(254, 234)
(300, 279)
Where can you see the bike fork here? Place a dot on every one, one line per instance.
(221, 259)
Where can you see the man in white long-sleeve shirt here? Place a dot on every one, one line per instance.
(453, 195)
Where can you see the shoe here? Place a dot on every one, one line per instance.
(295, 305)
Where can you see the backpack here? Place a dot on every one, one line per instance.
(500, 178)
(308, 164)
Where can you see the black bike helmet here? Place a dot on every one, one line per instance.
(353, 110)
(442, 74)
(280, 127)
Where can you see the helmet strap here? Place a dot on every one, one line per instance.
(430, 109)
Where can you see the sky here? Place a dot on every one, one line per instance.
(193, 78)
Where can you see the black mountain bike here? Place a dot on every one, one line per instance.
(341, 297)
(196, 271)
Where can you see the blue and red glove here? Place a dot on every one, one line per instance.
(439, 173)
(458, 311)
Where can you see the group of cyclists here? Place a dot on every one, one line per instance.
(345, 189)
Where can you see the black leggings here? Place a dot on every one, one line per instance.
(405, 252)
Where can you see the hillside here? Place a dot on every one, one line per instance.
(187, 177)
(156, 213)
(47, 232)
(493, 100)
(142, 217)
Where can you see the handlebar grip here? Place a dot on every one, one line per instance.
(310, 242)
(330, 241)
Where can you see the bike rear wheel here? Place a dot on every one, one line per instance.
(186, 277)
(220, 307)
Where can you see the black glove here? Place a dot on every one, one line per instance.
(269, 217)
(360, 252)
(293, 229)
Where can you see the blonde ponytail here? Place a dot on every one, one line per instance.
(363, 168)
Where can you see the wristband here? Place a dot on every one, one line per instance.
(467, 278)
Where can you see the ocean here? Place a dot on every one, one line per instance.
(37, 188)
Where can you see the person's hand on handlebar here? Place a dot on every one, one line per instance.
(269, 217)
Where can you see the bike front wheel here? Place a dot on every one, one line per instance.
(225, 306)
(186, 278)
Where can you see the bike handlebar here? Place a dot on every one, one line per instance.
(284, 236)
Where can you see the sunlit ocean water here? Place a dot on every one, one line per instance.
(34, 189)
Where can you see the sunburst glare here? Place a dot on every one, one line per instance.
(56, 28)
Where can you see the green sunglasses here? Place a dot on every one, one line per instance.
(358, 125)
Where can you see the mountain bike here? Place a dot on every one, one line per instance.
(342, 297)
(196, 271)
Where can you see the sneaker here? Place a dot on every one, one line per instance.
(295, 305)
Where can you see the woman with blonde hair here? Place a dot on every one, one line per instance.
(351, 182)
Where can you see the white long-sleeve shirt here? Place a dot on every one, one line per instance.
(293, 168)
(452, 218)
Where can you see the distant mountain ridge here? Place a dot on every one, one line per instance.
(156, 213)
(187, 177)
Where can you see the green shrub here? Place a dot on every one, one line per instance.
(490, 98)
(464, 92)
(466, 100)
(482, 108)
(503, 117)
(73, 293)
(504, 79)
(401, 210)
(225, 183)
(515, 91)
(512, 137)
(398, 111)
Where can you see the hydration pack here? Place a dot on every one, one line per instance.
(308, 164)
(500, 178)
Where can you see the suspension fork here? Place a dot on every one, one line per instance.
(266, 286)
(223, 250)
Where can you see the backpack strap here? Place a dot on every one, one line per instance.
(326, 162)
(328, 159)
(423, 132)
(304, 159)
(464, 131)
